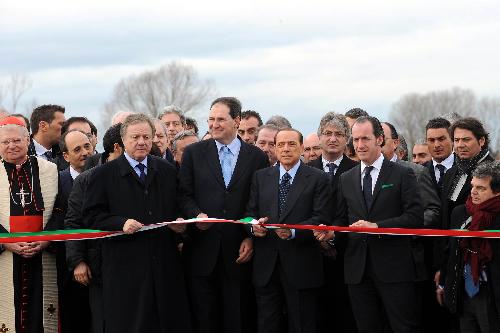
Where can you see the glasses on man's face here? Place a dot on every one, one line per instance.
(16, 142)
(329, 134)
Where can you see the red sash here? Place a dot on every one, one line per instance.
(33, 223)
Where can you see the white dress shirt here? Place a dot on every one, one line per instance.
(377, 165)
(336, 162)
(447, 163)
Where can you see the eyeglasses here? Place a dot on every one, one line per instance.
(335, 134)
(16, 142)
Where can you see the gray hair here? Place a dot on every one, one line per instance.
(271, 127)
(336, 120)
(180, 136)
(118, 115)
(279, 121)
(162, 124)
(420, 141)
(23, 130)
(489, 169)
(136, 118)
(173, 109)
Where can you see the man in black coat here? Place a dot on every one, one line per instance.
(288, 263)
(143, 282)
(75, 311)
(379, 270)
(333, 133)
(215, 178)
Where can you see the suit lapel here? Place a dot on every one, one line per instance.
(152, 171)
(242, 163)
(273, 176)
(299, 182)
(214, 162)
(383, 176)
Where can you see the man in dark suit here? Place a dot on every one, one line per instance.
(379, 270)
(143, 282)
(46, 123)
(333, 132)
(287, 264)
(75, 312)
(441, 149)
(215, 178)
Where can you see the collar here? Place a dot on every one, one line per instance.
(234, 146)
(73, 172)
(337, 161)
(377, 164)
(394, 158)
(133, 163)
(39, 149)
(291, 172)
(447, 162)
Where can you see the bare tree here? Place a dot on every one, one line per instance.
(13, 90)
(412, 111)
(150, 91)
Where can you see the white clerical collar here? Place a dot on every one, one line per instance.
(39, 149)
(377, 164)
(447, 162)
(326, 162)
(73, 172)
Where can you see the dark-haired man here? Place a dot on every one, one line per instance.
(354, 114)
(249, 124)
(215, 177)
(379, 288)
(46, 124)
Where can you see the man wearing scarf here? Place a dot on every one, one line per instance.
(470, 143)
(28, 274)
(472, 276)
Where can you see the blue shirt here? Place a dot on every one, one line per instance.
(133, 163)
(234, 148)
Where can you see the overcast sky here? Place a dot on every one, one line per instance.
(295, 58)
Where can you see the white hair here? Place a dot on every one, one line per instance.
(120, 116)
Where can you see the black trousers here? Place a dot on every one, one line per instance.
(220, 303)
(96, 307)
(378, 305)
(479, 315)
(301, 305)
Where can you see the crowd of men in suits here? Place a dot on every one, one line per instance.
(223, 277)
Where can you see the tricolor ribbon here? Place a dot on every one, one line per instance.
(80, 234)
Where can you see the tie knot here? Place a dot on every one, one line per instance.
(225, 149)
(141, 167)
(440, 167)
(48, 154)
(286, 177)
(331, 167)
(368, 169)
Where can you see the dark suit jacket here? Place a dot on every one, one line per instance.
(430, 167)
(146, 264)
(397, 204)
(308, 203)
(202, 190)
(56, 156)
(93, 161)
(65, 185)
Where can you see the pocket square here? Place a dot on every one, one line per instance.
(387, 185)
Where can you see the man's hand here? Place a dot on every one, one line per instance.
(203, 226)
(283, 233)
(258, 229)
(364, 224)
(18, 248)
(35, 248)
(178, 227)
(246, 251)
(323, 235)
(437, 277)
(440, 295)
(132, 226)
(82, 273)
(328, 250)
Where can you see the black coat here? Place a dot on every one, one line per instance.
(143, 283)
(397, 204)
(453, 274)
(308, 203)
(203, 190)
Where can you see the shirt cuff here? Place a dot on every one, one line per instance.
(293, 234)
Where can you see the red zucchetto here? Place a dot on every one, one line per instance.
(11, 121)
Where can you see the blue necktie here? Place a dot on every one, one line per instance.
(283, 191)
(48, 155)
(331, 169)
(226, 164)
(441, 169)
(471, 288)
(367, 187)
(142, 175)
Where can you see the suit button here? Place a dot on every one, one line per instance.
(146, 192)
(150, 213)
(224, 211)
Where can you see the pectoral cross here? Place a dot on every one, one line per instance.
(22, 195)
(4, 329)
(51, 309)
